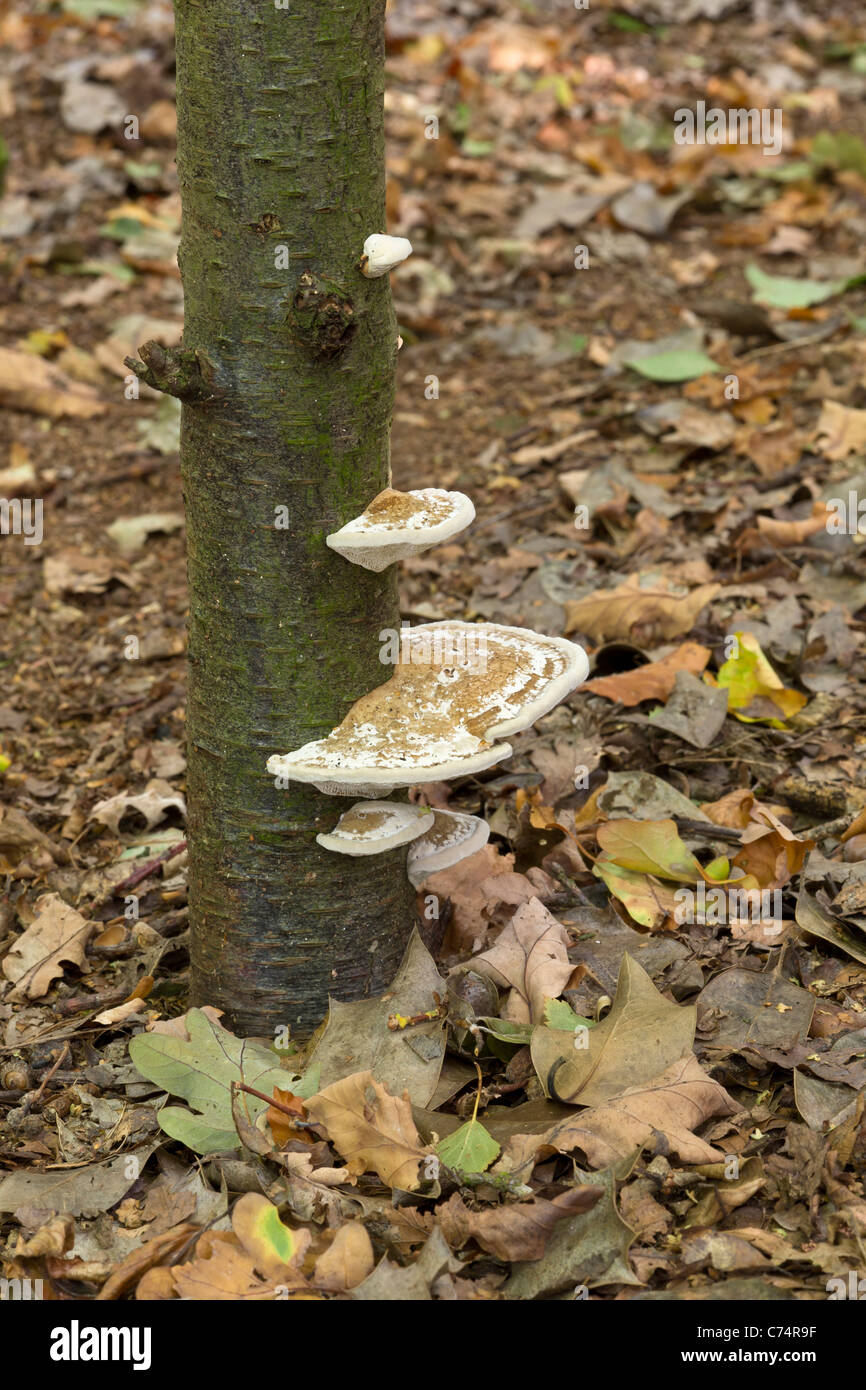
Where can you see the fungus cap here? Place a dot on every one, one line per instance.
(396, 525)
(456, 689)
(372, 827)
(453, 836)
(382, 253)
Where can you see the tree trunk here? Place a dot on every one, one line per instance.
(288, 389)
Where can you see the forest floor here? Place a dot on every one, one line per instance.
(644, 361)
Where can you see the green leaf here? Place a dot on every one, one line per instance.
(558, 1014)
(470, 1148)
(92, 9)
(202, 1071)
(518, 1034)
(839, 150)
(683, 365)
(755, 692)
(649, 847)
(719, 870)
(780, 292)
(476, 149)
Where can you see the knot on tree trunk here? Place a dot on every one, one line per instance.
(321, 316)
(183, 372)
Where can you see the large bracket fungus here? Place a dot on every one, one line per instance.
(396, 525)
(457, 688)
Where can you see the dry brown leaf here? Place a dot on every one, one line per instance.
(529, 957)
(348, 1259)
(654, 681)
(72, 571)
(840, 430)
(130, 1008)
(157, 798)
(666, 1110)
(772, 449)
(58, 933)
(223, 1270)
(770, 851)
(795, 532)
(374, 1131)
(30, 383)
(732, 810)
(18, 836)
(462, 886)
(618, 613)
(519, 1231)
(139, 1261)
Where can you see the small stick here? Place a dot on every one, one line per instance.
(146, 869)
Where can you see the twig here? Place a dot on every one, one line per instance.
(146, 869)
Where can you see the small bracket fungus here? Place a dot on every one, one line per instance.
(382, 253)
(456, 688)
(453, 836)
(396, 525)
(371, 827)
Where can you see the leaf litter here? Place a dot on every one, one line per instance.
(657, 967)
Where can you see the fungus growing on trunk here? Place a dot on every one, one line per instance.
(453, 836)
(382, 253)
(457, 687)
(371, 827)
(396, 525)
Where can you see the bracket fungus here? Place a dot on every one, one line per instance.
(456, 689)
(382, 253)
(453, 836)
(396, 525)
(371, 827)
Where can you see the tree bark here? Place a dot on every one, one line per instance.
(287, 381)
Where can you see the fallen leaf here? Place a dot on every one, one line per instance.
(153, 803)
(617, 613)
(529, 957)
(655, 681)
(649, 847)
(347, 1261)
(202, 1071)
(662, 1113)
(58, 933)
(373, 1130)
(30, 383)
(518, 1231)
(357, 1036)
(738, 1009)
(841, 430)
(642, 1034)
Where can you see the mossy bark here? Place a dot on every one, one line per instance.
(282, 175)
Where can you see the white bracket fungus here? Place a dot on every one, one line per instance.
(453, 836)
(396, 525)
(382, 253)
(456, 689)
(371, 827)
